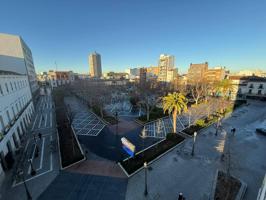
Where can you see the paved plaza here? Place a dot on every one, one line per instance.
(84, 122)
(159, 128)
(178, 171)
(82, 187)
(123, 109)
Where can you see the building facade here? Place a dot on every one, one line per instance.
(215, 75)
(196, 72)
(16, 56)
(58, 78)
(16, 110)
(95, 65)
(166, 63)
(142, 76)
(248, 87)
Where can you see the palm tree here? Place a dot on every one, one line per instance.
(174, 103)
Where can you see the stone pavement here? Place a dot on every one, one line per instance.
(85, 187)
(178, 172)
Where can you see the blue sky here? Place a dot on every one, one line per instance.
(230, 33)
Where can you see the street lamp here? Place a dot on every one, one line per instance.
(217, 126)
(146, 187)
(21, 174)
(194, 141)
(33, 172)
(180, 196)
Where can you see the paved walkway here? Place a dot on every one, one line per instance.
(46, 164)
(178, 172)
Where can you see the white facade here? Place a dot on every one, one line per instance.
(133, 73)
(248, 87)
(16, 110)
(58, 78)
(16, 56)
(166, 65)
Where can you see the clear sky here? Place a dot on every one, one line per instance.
(127, 33)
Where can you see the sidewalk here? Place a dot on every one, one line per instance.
(178, 171)
(45, 164)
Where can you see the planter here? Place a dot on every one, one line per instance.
(134, 164)
(230, 188)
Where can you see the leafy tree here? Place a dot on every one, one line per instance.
(174, 103)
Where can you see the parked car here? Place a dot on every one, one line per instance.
(261, 130)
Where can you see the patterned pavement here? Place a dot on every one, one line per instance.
(159, 128)
(85, 122)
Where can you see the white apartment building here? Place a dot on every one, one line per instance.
(16, 110)
(166, 65)
(16, 56)
(133, 73)
(57, 78)
(248, 87)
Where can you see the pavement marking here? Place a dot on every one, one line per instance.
(51, 117)
(40, 122)
(51, 155)
(36, 176)
(29, 169)
(154, 129)
(36, 116)
(46, 116)
(41, 161)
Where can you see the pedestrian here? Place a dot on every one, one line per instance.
(40, 136)
(233, 130)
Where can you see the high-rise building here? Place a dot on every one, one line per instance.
(166, 63)
(196, 72)
(142, 76)
(16, 56)
(95, 65)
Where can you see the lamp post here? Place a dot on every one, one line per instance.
(116, 135)
(25, 185)
(194, 141)
(180, 196)
(33, 172)
(146, 186)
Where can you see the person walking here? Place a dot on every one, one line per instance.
(40, 136)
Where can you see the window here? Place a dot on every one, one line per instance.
(8, 116)
(2, 125)
(261, 86)
(259, 92)
(251, 85)
(1, 90)
(11, 86)
(13, 110)
(7, 90)
(17, 107)
(250, 91)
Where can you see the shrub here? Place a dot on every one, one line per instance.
(200, 122)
